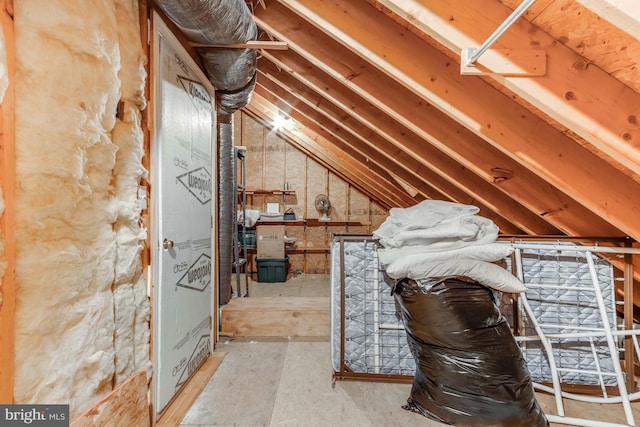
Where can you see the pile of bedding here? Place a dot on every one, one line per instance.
(442, 239)
(469, 368)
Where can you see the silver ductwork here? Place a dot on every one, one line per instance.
(232, 71)
(226, 206)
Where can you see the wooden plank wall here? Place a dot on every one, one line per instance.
(271, 162)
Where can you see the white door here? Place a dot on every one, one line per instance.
(183, 186)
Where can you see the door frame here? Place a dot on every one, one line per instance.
(160, 29)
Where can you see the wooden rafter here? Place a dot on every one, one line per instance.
(409, 115)
(497, 119)
(327, 155)
(572, 92)
(252, 44)
(624, 14)
(394, 158)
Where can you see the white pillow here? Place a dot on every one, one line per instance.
(485, 273)
(419, 254)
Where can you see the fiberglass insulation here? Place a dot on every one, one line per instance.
(81, 305)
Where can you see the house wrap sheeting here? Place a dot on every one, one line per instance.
(81, 305)
(233, 75)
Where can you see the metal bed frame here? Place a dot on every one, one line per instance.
(346, 371)
(550, 333)
(618, 340)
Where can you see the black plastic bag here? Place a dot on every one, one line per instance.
(469, 369)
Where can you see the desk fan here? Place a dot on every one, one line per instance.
(322, 205)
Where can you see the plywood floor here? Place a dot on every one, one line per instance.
(288, 382)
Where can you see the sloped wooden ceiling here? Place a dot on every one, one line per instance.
(374, 90)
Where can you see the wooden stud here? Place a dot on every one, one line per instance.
(7, 220)
(252, 44)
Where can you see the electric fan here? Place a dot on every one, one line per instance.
(322, 205)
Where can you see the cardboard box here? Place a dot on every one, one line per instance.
(270, 241)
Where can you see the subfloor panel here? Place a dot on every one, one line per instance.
(275, 381)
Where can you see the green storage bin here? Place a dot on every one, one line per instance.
(272, 270)
(247, 238)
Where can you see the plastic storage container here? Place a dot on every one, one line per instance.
(248, 239)
(272, 270)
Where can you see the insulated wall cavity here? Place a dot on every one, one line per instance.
(81, 306)
(132, 308)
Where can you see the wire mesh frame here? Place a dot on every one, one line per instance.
(608, 332)
(560, 291)
(345, 373)
(388, 337)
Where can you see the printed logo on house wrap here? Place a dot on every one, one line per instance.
(197, 93)
(199, 183)
(34, 415)
(200, 353)
(198, 276)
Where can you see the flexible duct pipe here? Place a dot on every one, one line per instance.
(225, 206)
(233, 74)
(221, 22)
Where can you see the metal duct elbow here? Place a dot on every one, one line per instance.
(232, 71)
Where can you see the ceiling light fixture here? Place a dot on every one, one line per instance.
(279, 122)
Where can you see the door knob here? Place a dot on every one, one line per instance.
(167, 244)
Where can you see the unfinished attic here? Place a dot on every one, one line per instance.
(313, 212)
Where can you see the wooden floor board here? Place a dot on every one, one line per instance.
(276, 316)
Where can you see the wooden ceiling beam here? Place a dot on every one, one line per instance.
(572, 92)
(458, 184)
(395, 161)
(313, 145)
(404, 108)
(346, 142)
(491, 115)
(335, 142)
(300, 109)
(432, 162)
(624, 14)
(556, 207)
(601, 43)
